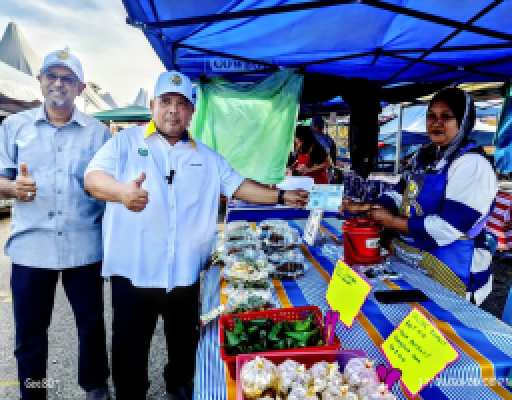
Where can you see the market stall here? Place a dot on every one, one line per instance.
(482, 341)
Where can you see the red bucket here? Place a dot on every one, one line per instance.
(361, 241)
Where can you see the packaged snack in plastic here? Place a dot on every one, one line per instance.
(257, 376)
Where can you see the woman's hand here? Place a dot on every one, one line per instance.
(381, 216)
(385, 218)
(354, 206)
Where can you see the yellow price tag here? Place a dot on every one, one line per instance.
(419, 350)
(347, 292)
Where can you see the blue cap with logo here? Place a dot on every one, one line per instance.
(64, 58)
(174, 82)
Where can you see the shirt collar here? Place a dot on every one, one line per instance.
(76, 117)
(151, 129)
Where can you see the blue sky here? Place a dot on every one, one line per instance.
(114, 55)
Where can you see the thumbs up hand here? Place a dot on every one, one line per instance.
(25, 185)
(134, 197)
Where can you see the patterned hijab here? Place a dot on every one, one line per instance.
(433, 157)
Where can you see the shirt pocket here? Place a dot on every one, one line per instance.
(193, 183)
(37, 152)
(32, 150)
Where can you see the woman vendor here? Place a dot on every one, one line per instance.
(309, 158)
(439, 212)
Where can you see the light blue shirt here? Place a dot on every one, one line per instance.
(167, 243)
(61, 228)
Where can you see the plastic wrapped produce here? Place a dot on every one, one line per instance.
(325, 375)
(302, 393)
(292, 374)
(257, 376)
(359, 371)
(380, 392)
(339, 393)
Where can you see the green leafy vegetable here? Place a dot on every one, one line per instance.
(265, 334)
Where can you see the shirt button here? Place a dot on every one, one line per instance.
(59, 191)
(59, 148)
(51, 214)
(59, 233)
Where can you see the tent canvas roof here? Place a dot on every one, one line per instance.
(17, 85)
(141, 99)
(16, 52)
(391, 42)
(125, 114)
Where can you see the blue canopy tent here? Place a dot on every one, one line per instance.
(387, 41)
(364, 50)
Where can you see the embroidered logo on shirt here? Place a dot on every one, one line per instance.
(142, 152)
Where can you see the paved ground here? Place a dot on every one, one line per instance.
(62, 362)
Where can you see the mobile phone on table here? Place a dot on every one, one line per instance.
(400, 296)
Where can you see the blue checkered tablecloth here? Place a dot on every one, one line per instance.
(483, 342)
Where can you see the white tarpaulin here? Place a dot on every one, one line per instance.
(17, 85)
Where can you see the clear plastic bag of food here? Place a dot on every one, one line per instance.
(246, 270)
(289, 264)
(239, 246)
(242, 300)
(281, 240)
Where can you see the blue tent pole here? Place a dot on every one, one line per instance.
(399, 139)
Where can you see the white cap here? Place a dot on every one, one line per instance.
(63, 58)
(174, 82)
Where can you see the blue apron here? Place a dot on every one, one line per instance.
(451, 264)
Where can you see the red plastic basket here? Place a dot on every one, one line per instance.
(306, 358)
(277, 314)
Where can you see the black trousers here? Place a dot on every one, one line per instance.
(33, 292)
(135, 314)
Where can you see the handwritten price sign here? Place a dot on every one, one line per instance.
(347, 292)
(419, 350)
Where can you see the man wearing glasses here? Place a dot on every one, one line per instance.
(56, 226)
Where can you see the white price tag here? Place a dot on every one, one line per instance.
(313, 226)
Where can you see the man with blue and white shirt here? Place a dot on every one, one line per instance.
(162, 190)
(56, 226)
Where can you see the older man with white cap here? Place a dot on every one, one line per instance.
(162, 190)
(56, 227)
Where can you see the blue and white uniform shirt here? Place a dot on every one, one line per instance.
(167, 243)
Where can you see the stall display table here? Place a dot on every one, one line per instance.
(484, 342)
(238, 210)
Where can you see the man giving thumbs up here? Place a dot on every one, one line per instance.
(154, 256)
(25, 186)
(56, 227)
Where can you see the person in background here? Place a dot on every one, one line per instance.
(162, 189)
(56, 226)
(309, 158)
(440, 210)
(328, 144)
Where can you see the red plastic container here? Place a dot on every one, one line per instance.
(361, 244)
(306, 358)
(277, 314)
